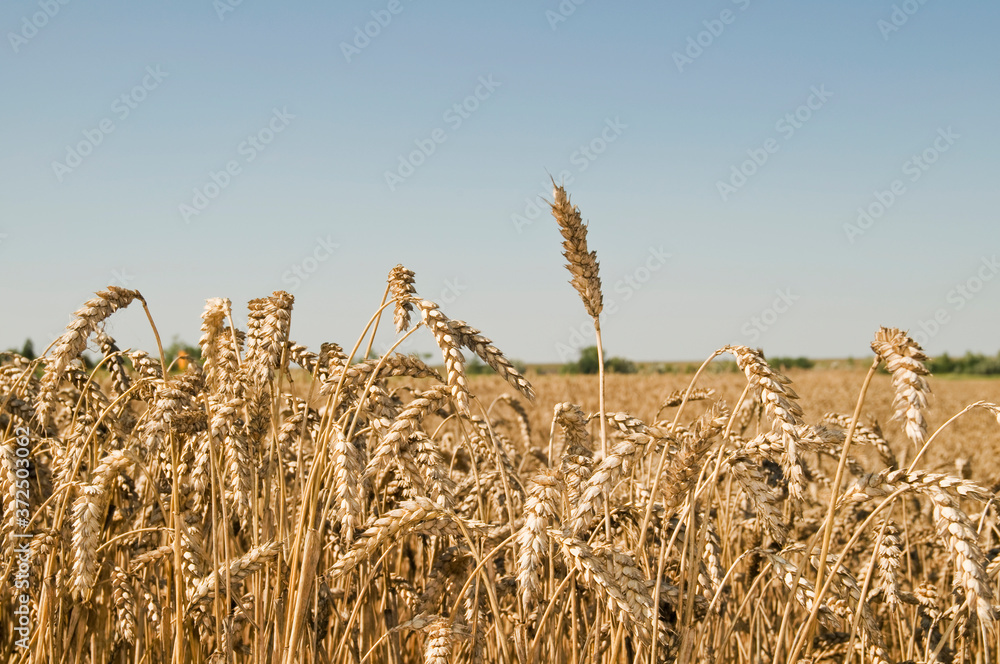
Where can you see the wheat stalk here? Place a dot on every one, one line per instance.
(904, 359)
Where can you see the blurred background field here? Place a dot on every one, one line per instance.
(974, 436)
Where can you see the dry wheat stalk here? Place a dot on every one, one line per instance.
(213, 321)
(614, 578)
(523, 422)
(239, 569)
(577, 459)
(448, 342)
(347, 470)
(403, 293)
(276, 326)
(88, 519)
(256, 341)
(228, 373)
(764, 500)
(904, 359)
(541, 512)
(144, 559)
(781, 407)
(74, 340)
(406, 424)
(120, 380)
(302, 356)
(888, 560)
(238, 465)
(619, 462)
(420, 512)
(124, 599)
(482, 346)
(954, 526)
(804, 591)
(8, 492)
(438, 648)
(883, 483)
(581, 262)
(357, 375)
(712, 553)
(870, 434)
(676, 397)
(432, 467)
(963, 542)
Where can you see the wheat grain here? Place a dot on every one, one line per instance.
(780, 404)
(239, 569)
(124, 599)
(403, 293)
(347, 469)
(472, 339)
(904, 359)
(448, 342)
(581, 262)
(394, 524)
(540, 513)
(73, 341)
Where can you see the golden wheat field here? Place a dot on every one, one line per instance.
(974, 437)
(274, 503)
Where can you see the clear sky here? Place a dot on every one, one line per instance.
(782, 174)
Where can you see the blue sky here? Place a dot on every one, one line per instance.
(723, 153)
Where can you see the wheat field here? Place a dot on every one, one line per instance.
(274, 503)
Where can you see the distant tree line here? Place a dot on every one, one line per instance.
(791, 363)
(971, 363)
(590, 364)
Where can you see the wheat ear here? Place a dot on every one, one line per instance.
(74, 340)
(904, 359)
(403, 293)
(447, 341)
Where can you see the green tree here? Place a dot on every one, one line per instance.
(588, 362)
(941, 365)
(620, 365)
(791, 363)
(477, 367)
